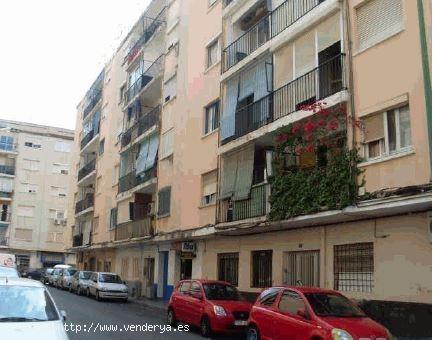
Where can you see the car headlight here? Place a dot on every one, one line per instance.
(103, 289)
(219, 311)
(340, 334)
(125, 290)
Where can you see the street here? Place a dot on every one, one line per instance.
(90, 319)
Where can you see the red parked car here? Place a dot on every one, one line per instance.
(214, 306)
(299, 313)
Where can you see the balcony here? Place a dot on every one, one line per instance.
(143, 124)
(134, 229)
(150, 25)
(132, 179)
(5, 217)
(7, 170)
(5, 195)
(226, 3)
(84, 204)
(267, 28)
(89, 136)
(4, 241)
(322, 82)
(87, 169)
(92, 101)
(77, 240)
(145, 78)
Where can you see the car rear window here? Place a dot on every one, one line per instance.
(85, 275)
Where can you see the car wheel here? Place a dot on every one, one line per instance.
(253, 333)
(70, 288)
(171, 319)
(97, 298)
(125, 300)
(88, 292)
(77, 290)
(205, 327)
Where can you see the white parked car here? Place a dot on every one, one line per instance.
(64, 279)
(80, 281)
(52, 278)
(107, 286)
(28, 311)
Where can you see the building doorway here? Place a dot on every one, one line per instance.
(186, 268)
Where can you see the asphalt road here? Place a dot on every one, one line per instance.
(90, 319)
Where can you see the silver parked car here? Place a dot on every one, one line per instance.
(107, 286)
(65, 276)
(52, 277)
(80, 281)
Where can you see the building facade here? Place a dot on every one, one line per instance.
(264, 143)
(35, 164)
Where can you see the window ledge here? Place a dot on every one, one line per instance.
(209, 68)
(204, 206)
(209, 134)
(376, 42)
(210, 8)
(159, 217)
(169, 101)
(407, 152)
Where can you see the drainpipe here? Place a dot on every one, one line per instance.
(426, 73)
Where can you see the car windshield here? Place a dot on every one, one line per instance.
(110, 278)
(326, 304)
(85, 275)
(56, 271)
(21, 304)
(218, 291)
(49, 271)
(71, 271)
(8, 272)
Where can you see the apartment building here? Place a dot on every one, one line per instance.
(34, 166)
(263, 142)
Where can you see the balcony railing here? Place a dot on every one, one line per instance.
(132, 179)
(151, 72)
(151, 26)
(7, 169)
(77, 240)
(143, 124)
(87, 169)
(268, 27)
(92, 101)
(4, 194)
(89, 136)
(12, 147)
(134, 229)
(5, 216)
(4, 241)
(254, 206)
(226, 3)
(84, 204)
(323, 81)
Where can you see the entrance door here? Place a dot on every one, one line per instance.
(166, 291)
(186, 269)
(148, 277)
(92, 264)
(301, 268)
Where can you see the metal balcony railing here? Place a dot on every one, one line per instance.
(85, 203)
(89, 136)
(254, 206)
(8, 147)
(7, 169)
(134, 229)
(323, 81)
(5, 216)
(77, 240)
(268, 27)
(4, 241)
(92, 101)
(150, 27)
(132, 179)
(4, 194)
(87, 169)
(144, 123)
(151, 72)
(226, 3)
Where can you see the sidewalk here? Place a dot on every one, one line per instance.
(158, 306)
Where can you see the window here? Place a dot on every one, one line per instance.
(136, 267)
(57, 191)
(228, 267)
(166, 146)
(28, 188)
(211, 118)
(125, 265)
(387, 133)
(170, 89)
(211, 2)
(95, 225)
(113, 218)
(209, 188)
(290, 302)
(6, 143)
(268, 296)
(32, 145)
(122, 93)
(164, 201)
(195, 288)
(115, 175)
(23, 234)
(262, 268)
(101, 147)
(26, 211)
(60, 169)
(301, 268)
(55, 237)
(354, 267)
(58, 214)
(98, 185)
(213, 53)
(184, 288)
(31, 164)
(62, 146)
(377, 20)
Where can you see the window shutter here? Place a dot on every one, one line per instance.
(374, 127)
(209, 182)
(376, 20)
(131, 207)
(169, 89)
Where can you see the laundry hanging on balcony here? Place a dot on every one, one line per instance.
(238, 174)
(147, 154)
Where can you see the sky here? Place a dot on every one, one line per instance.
(51, 51)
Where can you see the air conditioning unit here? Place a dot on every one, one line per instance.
(60, 221)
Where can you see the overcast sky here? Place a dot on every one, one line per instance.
(52, 50)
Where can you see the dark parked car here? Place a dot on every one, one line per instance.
(33, 273)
